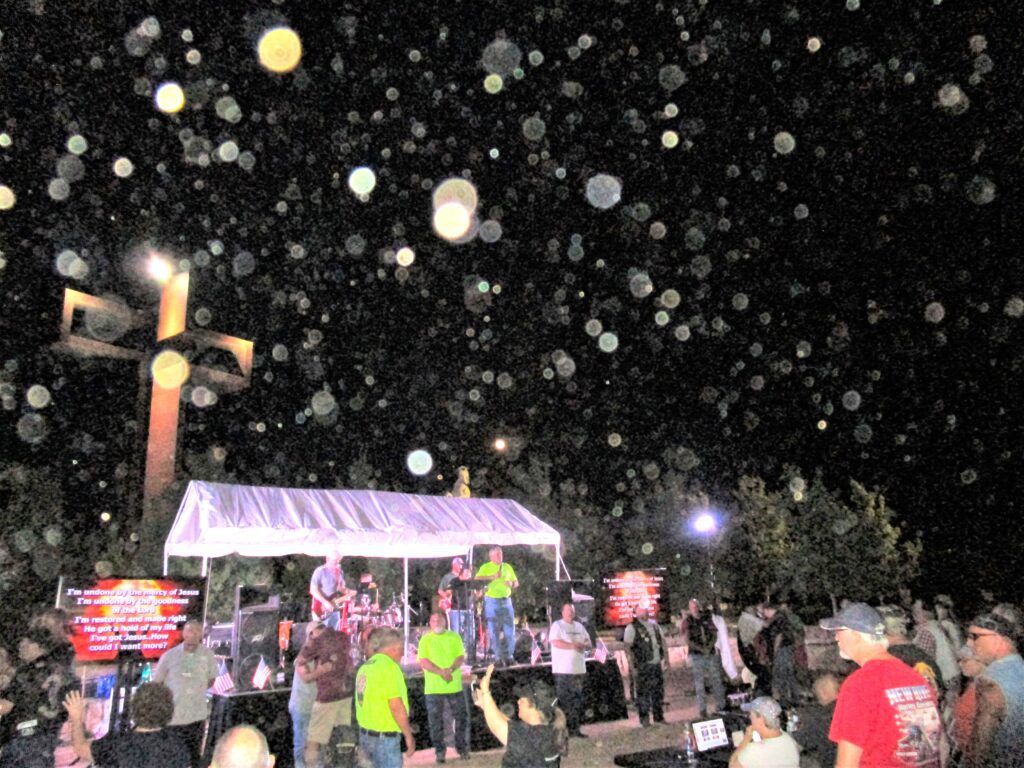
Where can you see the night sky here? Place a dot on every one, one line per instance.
(813, 260)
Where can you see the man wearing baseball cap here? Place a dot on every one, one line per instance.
(998, 732)
(886, 714)
(773, 748)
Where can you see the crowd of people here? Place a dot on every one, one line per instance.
(925, 690)
(922, 689)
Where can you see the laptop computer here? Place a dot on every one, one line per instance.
(713, 740)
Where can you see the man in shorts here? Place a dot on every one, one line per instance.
(331, 652)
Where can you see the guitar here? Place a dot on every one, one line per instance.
(341, 599)
(444, 601)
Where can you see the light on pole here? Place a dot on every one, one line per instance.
(706, 526)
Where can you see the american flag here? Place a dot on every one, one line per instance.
(223, 682)
(261, 676)
(601, 651)
(535, 652)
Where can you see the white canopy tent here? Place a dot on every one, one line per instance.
(216, 519)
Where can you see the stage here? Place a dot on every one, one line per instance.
(268, 710)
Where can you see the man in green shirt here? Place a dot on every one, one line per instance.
(382, 702)
(441, 654)
(498, 610)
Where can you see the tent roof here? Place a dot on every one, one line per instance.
(217, 519)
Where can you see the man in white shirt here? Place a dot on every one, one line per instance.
(764, 743)
(189, 670)
(648, 658)
(569, 642)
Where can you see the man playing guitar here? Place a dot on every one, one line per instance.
(331, 599)
(456, 600)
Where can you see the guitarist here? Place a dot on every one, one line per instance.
(327, 588)
(456, 599)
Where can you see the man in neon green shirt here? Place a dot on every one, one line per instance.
(382, 702)
(441, 655)
(498, 610)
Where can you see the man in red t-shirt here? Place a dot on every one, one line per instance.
(334, 686)
(886, 715)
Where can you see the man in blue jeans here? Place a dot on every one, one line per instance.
(300, 703)
(441, 655)
(498, 612)
(701, 637)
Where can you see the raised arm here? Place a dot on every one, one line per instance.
(495, 719)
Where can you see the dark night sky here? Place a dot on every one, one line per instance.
(880, 257)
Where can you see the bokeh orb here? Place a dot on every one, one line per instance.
(169, 98)
(362, 180)
(419, 462)
(170, 369)
(452, 221)
(279, 50)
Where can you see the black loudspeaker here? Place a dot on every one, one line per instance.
(267, 711)
(257, 637)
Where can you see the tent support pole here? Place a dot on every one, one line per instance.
(204, 570)
(405, 623)
(206, 600)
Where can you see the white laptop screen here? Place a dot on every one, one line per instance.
(710, 734)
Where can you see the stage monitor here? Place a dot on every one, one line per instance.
(129, 618)
(623, 591)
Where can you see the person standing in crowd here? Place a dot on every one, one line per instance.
(441, 655)
(947, 620)
(784, 634)
(896, 628)
(189, 670)
(148, 743)
(773, 748)
(931, 638)
(498, 611)
(30, 708)
(966, 707)
(382, 702)
(886, 714)
(569, 643)
(816, 720)
(328, 590)
(300, 702)
(648, 658)
(538, 737)
(701, 638)
(998, 732)
(242, 747)
(330, 655)
(748, 625)
(457, 599)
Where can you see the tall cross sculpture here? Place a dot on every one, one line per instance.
(168, 367)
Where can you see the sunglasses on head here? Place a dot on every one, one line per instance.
(996, 625)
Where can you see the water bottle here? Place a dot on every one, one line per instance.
(147, 672)
(689, 745)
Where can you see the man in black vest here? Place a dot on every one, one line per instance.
(648, 657)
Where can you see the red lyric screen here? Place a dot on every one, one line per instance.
(625, 591)
(130, 618)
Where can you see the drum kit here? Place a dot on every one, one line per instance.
(366, 614)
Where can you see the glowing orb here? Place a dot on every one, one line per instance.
(500, 444)
(456, 191)
(405, 256)
(419, 462)
(362, 180)
(7, 198)
(452, 221)
(169, 98)
(280, 50)
(170, 369)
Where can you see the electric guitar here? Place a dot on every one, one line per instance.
(341, 599)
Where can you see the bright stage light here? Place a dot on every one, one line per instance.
(159, 268)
